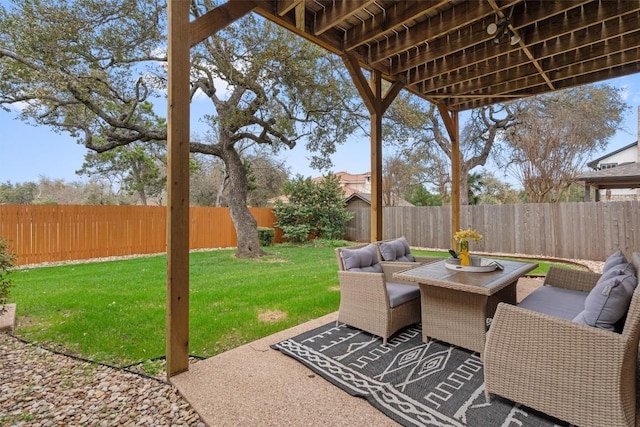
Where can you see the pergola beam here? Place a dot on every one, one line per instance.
(218, 18)
(450, 119)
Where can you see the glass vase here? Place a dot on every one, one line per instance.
(463, 252)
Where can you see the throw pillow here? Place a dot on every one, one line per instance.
(361, 259)
(396, 250)
(609, 300)
(614, 259)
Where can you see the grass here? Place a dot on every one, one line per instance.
(114, 311)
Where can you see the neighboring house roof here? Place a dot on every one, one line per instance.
(351, 183)
(349, 178)
(626, 175)
(593, 164)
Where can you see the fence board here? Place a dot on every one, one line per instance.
(52, 233)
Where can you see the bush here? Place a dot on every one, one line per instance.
(7, 261)
(313, 209)
(266, 235)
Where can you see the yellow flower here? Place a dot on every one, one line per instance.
(468, 234)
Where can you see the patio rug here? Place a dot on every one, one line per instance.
(415, 384)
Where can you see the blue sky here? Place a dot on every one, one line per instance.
(28, 152)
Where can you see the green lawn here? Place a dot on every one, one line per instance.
(114, 312)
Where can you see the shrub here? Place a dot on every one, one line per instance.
(313, 209)
(266, 235)
(7, 261)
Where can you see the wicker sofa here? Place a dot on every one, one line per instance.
(370, 298)
(579, 373)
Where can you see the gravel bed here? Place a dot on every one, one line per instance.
(42, 388)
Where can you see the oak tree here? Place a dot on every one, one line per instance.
(88, 67)
(415, 125)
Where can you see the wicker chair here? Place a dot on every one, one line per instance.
(370, 299)
(577, 373)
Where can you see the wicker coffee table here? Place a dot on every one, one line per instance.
(456, 305)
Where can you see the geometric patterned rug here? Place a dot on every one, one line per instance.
(413, 383)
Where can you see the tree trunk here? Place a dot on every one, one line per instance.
(464, 185)
(139, 186)
(245, 224)
(221, 187)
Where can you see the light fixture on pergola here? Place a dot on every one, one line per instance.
(501, 30)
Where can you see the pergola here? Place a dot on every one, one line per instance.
(457, 54)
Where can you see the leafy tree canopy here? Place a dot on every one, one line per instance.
(416, 127)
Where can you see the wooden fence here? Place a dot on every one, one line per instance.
(589, 231)
(593, 230)
(51, 233)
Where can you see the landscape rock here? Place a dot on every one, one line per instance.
(43, 388)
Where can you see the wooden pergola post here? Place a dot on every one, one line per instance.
(376, 157)
(178, 189)
(183, 35)
(377, 103)
(450, 119)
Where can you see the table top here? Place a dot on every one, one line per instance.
(487, 283)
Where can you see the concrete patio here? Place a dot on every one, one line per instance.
(255, 385)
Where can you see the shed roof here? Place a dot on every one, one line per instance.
(366, 197)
